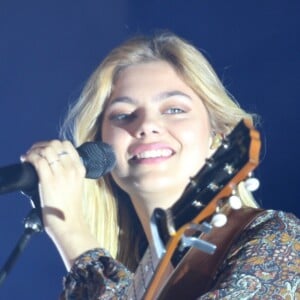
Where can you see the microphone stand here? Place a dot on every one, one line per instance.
(32, 224)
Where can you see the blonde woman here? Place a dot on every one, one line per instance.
(160, 105)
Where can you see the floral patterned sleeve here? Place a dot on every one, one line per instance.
(96, 275)
(264, 264)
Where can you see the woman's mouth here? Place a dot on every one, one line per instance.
(157, 153)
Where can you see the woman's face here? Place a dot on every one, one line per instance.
(159, 129)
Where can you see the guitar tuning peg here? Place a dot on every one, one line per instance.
(235, 202)
(219, 220)
(252, 184)
(202, 227)
(198, 243)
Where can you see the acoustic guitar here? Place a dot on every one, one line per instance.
(207, 205)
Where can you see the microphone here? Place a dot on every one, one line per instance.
(98, 159)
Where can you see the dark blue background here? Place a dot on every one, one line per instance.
(49, 48)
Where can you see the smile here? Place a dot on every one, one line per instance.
(157, 153)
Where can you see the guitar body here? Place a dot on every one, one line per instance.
(197, 271)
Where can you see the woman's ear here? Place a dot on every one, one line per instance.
(215, 142)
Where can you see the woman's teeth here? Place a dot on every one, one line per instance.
(153, 154)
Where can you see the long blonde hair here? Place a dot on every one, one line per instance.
(100, 203)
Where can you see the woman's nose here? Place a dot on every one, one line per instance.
(147, 125)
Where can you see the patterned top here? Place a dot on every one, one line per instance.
(263, 264)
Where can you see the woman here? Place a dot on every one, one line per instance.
(161, 107)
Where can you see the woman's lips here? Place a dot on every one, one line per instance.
(150, 152)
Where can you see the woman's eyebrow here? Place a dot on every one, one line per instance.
(122, 99)
(168, 94)
(159, 97)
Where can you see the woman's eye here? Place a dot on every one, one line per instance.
(121, 117)
(174, 110)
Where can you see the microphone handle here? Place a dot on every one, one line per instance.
(18, 177)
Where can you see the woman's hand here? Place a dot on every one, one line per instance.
(61, 176)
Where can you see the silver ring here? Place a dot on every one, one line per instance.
(62, 153)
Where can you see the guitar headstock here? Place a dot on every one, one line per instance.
(231, 163)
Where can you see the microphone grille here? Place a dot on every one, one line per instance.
(98, 158)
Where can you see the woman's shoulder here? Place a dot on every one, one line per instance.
(275, 221)
(264, 261)
(271, 231)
